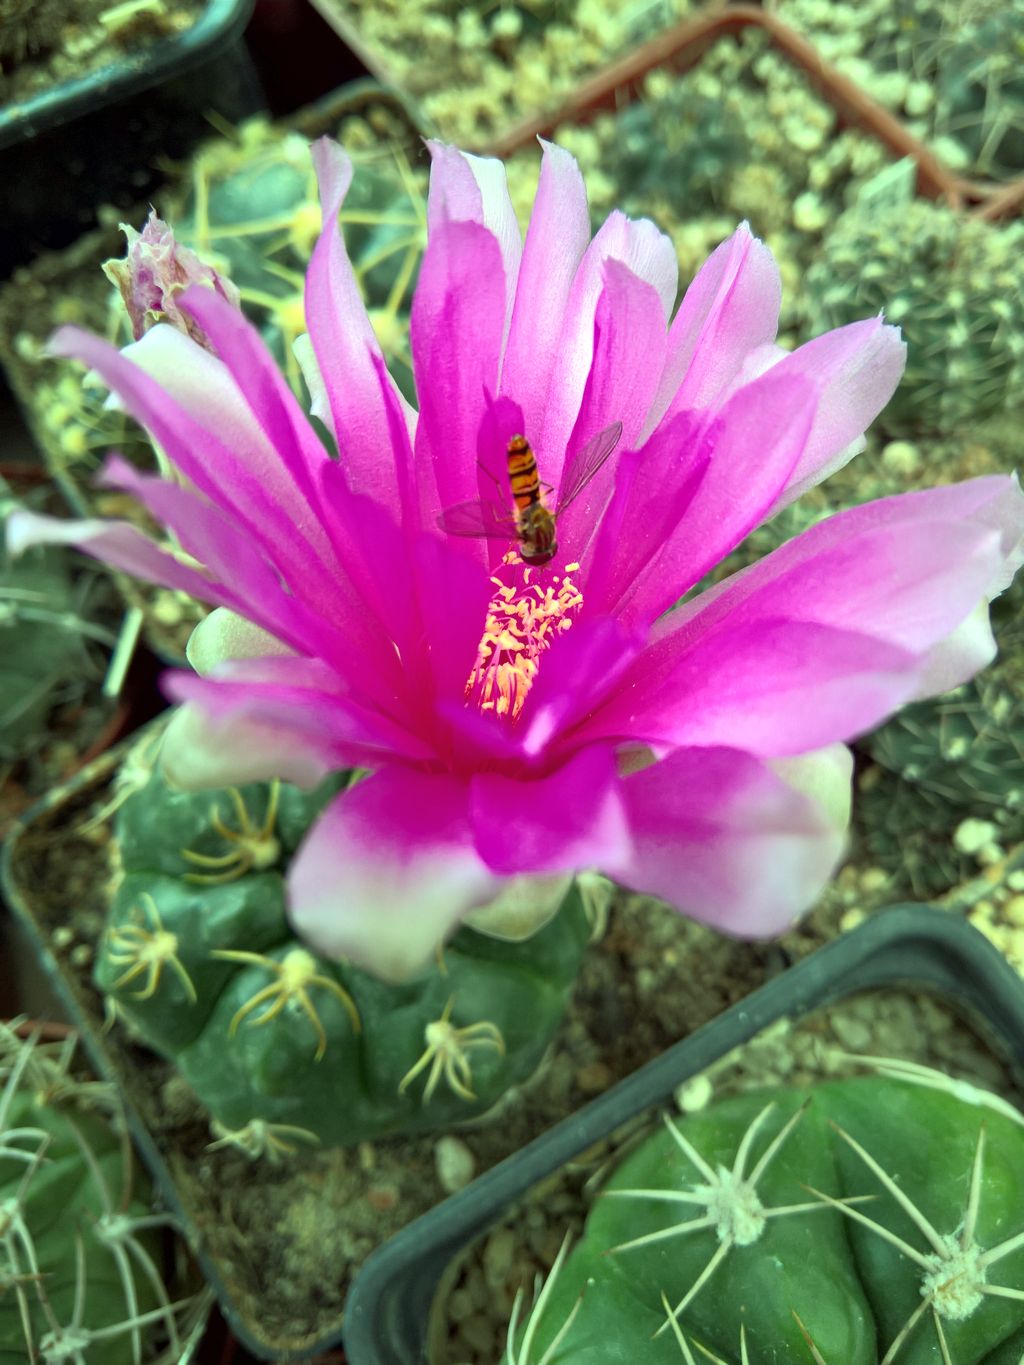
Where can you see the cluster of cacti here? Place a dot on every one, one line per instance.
(874, 1219)
(955, 286)
(742, 135)
(80, 1245)
(949, 68)
(682, 142)
(199, 960)
(252, 211)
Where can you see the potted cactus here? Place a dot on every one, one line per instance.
(325, 960)
(715, 1219)
(866, 1219)
(87, 1274)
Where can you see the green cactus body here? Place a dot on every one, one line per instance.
(79, 1243)
(954, 285)
(199, 958)
(876, 1217)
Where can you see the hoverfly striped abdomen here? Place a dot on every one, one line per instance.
(522, 472)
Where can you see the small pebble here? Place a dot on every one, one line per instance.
(971, 836)
(499, 1257)
(851, 1033)
(383, 1198)
(901, 457)
(694, 1094)
(594, 1077)
(454, 1162)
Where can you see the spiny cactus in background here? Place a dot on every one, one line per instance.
(49, 655)
(875, 1219)
(954, 758)
(280, 1045)
(980, 95)
(953, 284)
(80, 1245)
(252, 212)
(678, 142)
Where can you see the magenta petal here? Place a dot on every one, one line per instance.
(817, 641)
(387, 872)
(555, 242)
(731, 308)
(654, 487)
(456, 334)
(773, 687)
(570, 820)
(721, 838)
(576, 674)
(629, 323)
(344, 342)
(244, 481)
(122, 546)
(265, 391)
(751, 448)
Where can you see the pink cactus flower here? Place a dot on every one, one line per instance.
(541, 720)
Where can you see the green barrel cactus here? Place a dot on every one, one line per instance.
(954, 284)
(80, 1246)
(868, 1221)
(280, 1045)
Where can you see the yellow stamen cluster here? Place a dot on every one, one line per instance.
(522, 622)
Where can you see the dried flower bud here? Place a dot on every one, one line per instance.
(155, 269)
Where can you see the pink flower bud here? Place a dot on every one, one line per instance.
(155, 269)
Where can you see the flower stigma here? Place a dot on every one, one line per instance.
(522, 622)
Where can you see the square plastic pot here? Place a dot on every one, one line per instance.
(919, 947)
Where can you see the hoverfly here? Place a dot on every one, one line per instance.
(532, 522)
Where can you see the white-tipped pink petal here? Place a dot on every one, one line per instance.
(857, 369)
(730, 309)
(456, 333)
(725, 840)
(223, 636)
(344, 343)
(387, 872)
(474, 189)
(555, 242)
(200, 751)
(651, 257)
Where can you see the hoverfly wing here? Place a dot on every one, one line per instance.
(585, 464)
(477, 518)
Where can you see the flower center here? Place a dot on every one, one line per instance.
(523, 619)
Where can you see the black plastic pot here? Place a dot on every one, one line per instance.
(106, 139)
(219, 24)
(919, 947)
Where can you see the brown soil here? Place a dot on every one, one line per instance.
(45, 43)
